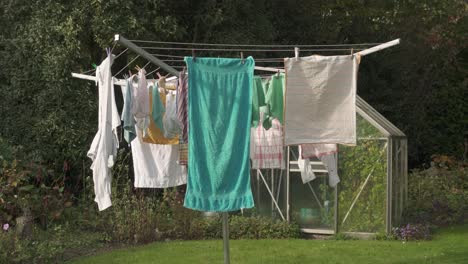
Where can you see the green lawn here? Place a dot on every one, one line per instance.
(449, 245)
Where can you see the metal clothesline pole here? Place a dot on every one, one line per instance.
(226, 238)
(174, 72)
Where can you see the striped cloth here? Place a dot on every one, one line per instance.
(320, 104)
(182, 95)
(266, 146)
(183, 153)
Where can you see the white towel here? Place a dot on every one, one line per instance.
(156, 166)
(320, 100)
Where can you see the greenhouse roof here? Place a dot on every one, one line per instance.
(377, 119)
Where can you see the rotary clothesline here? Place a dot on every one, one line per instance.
(161, 64)
(359, 50)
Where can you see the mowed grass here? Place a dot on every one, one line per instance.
(450, 245)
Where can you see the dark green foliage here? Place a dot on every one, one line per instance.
(33, 190)
(419, 85)
(439, 194)
(52, 246)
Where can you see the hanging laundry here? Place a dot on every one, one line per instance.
(157, 107)
(219, 111)
(330, 162)
(318, 150)
(182, 98)
(103, 150)
(155, 166)
(307, 174)
(258, 100)
(129, 131)
(274, 100)
(266, 146)
(320, 100)
(268, 99)
(170, 120)
(141, 105)
(182, 115)
(154, 134)
(183, 153)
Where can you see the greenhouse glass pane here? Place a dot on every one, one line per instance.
(364, 129)
(312, 204)
(264, 205)
(363, 173)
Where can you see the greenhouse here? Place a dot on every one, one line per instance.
(370, 196)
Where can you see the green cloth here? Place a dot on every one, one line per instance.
(274, 100)
(157, 109)
(258, 100)
(267, 98)
(219, 112)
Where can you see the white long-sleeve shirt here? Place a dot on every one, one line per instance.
(103, 150)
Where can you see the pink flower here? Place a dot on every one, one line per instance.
(6, 226)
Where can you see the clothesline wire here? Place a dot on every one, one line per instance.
(153, 71)
(118, 55)
(245, 50)
(146, 65)
(254, 45)
(85, 72)
(182, 57)
(256, 60)
(121, 70)
(113, 46)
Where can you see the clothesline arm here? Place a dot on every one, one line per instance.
(378, 47)
(270, 69)
(130, 45)
(120, 82)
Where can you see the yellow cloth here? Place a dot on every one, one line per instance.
(153, 133)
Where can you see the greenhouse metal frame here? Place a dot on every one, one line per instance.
(384, 178)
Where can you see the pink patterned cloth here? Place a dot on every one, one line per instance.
(318, 150)
(266, 146)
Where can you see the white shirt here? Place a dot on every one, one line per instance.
(103, 150)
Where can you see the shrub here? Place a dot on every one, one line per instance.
(33, 190)
(257, 227)
(438, 194)
(412, 232)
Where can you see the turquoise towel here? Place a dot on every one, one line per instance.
(219, 112)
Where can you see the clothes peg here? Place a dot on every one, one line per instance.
(193, 54)
(162, 82)
(242, 57)
(296, 53)
(94, 65)
(352, 56)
